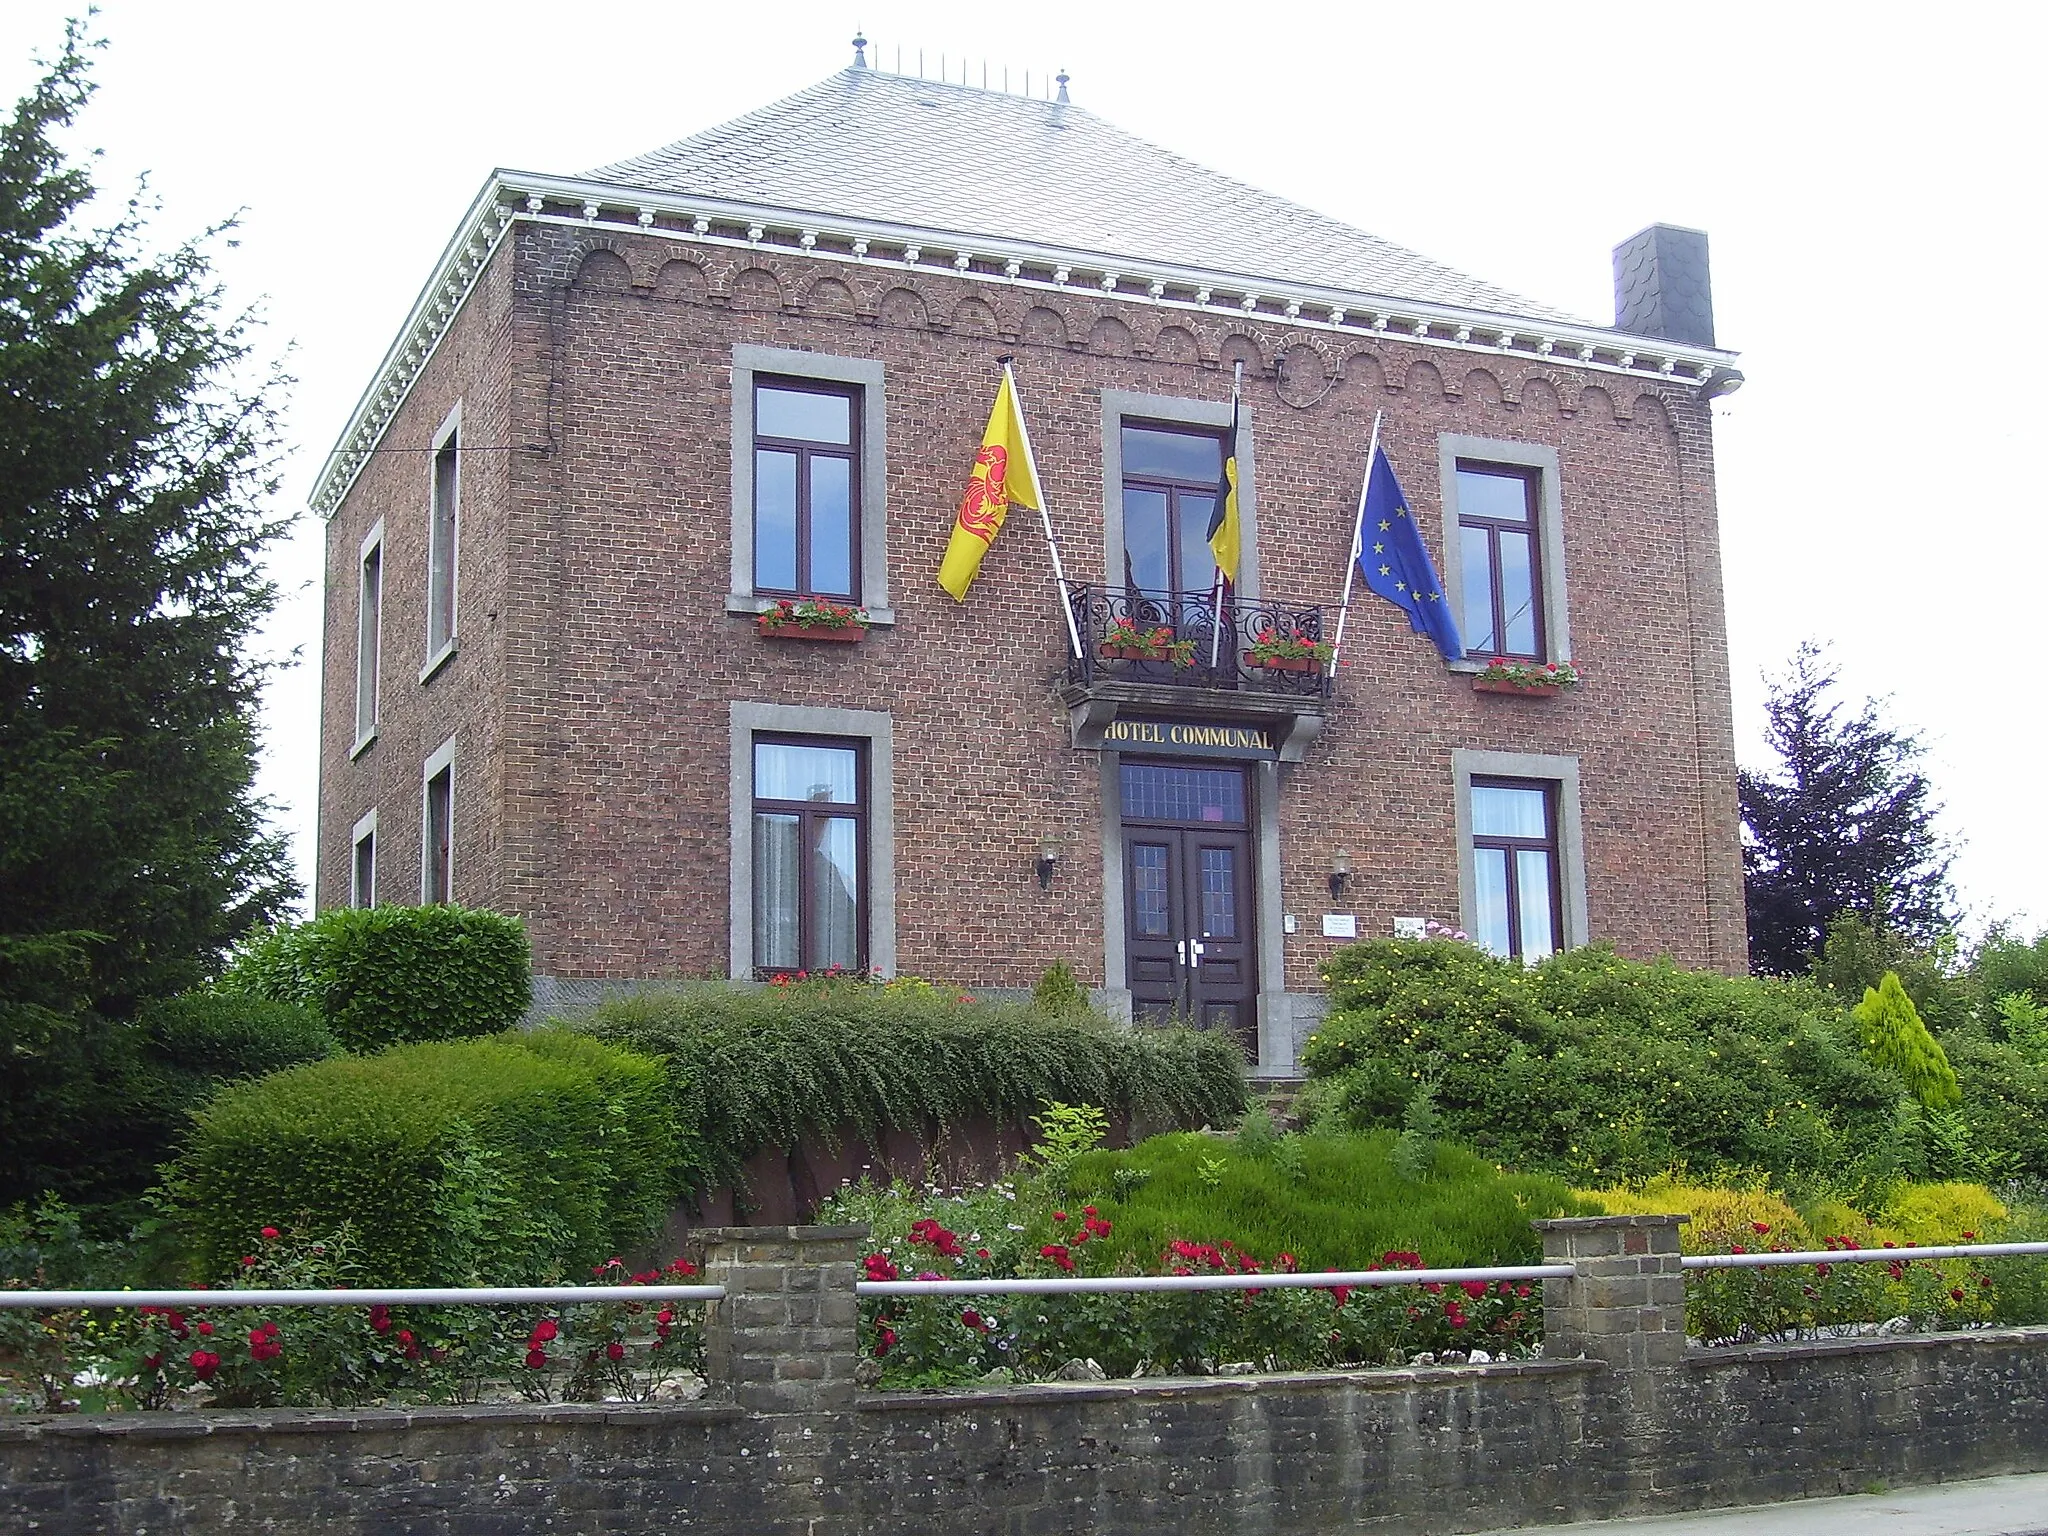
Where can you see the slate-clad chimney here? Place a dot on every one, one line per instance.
(1661, 287)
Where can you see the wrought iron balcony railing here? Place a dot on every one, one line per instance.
(1172, 640)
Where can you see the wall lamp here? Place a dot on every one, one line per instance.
(1340, 872)
(1048, 856)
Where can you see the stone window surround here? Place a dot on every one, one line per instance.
(1275, 1015)
(877, 730)
(450, 431)
(1468, 764)
(748, 361)
(444, 757)
(1451, 447)
(365, 827)
(373, 543)
(1120, 406)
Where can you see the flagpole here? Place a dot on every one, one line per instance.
(1059, 570)
(1230, 449)
(1357, 542)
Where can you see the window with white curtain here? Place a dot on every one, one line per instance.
(809, 838)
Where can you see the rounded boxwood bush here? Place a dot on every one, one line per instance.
(389, 975)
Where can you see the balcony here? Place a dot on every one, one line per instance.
(1185, 671)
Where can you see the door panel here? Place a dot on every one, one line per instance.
(1188, 909)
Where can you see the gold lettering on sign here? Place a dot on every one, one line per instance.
(1188, 734)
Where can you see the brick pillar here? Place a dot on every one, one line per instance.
(1627, 1304)
(782, 1341)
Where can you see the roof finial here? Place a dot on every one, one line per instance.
(1063, 87)
(860, 49)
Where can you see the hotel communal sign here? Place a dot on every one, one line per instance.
(1190, 738)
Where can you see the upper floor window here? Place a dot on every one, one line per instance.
(807, 479)
(1517, 899)
(369, 633)
(443, 538)
(1499, 511)
(810, 884)
(1170, 476)
(362, 881)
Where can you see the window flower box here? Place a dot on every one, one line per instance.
(1289, 650)
(1536, 680)
(1283, 663)
(1126, 641)
(812, 619)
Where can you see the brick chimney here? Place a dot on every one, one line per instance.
(1661, 287)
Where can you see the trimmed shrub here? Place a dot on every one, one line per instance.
(1058, 993)
(389, 975)
(2005, 1106)
(1896, 1040)
(1602, 1069)
(518, 1159)
(757, 1068)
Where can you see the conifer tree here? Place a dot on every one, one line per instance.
(1896, 1040)
(133, 474)
(1846, 824)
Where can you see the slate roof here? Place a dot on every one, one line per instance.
(868, 144)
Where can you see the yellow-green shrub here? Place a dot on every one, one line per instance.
(1718, 1219)
(1932, 1214)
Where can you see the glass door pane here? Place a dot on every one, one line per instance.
(1490, 900)
(1533, 893)
(775, 893)
(835, 895)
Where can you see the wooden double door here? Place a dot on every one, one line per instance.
(1188, 926)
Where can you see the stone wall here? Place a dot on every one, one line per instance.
(785, 1445)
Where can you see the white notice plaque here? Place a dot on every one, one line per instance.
(1411, 927)
(1340, 925)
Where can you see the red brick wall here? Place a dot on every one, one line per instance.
(593, 767)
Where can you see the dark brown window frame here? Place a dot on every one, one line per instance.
(808, 811)
(1173, 490)
(806, 450)
(1548, 844)
(1532, 500)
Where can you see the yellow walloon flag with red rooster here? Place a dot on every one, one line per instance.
(1004, 476)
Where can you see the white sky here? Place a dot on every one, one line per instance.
(1871, 180)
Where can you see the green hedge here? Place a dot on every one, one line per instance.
(512, 1160)
(389, 975)
(1332, 1201)
(1602, 1069)
(758, 1068)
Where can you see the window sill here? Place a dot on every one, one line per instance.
(1467, 665)
(437, 661)
(363, 744)
(744, 604)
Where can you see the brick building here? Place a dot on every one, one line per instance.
(633, 408)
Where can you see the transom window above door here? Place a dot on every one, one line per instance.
(1170, 475)
(807, 488)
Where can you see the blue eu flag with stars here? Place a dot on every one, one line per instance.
(1394, 561)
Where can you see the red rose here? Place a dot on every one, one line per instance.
(1760, 1228)
(1955, 1295)
(248, 1261)
(664, 1317)
(1473, 1288)
(973, 1319)
(536, 1359)
(204, 1363)
(544, 1331)
(270, 1234)
(380, 1319)
(152, 1362)
(615, 1351)
(206, 1330)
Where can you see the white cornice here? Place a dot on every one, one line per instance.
(510, 197)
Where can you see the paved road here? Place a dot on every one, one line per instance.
(1990, 1506)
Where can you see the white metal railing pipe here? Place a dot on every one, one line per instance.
(1068, 1285)
(1862, 1255)
(427, 1296)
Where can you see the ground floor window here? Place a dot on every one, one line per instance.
(362, 886)
(809, 880)
(1516, 893)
